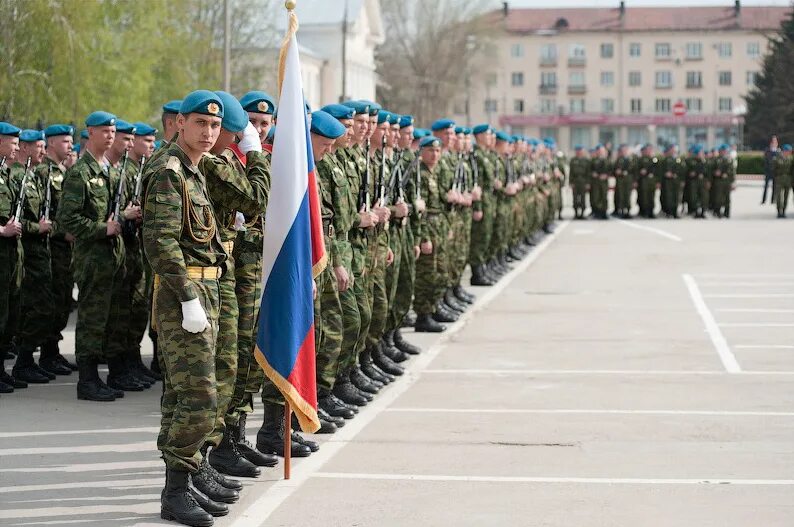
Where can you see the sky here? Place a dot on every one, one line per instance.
(637, 3)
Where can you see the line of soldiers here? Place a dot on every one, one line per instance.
(783, 179)
(171, 240)
(698, 183)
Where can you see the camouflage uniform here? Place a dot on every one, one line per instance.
(10, 265)
(599, 185)
(431, 269)
(624, 182)
(782, 172)
(98, 262)
(580, 174)
(698, 175)
(672, 172)
(481, 231)
(378, 252)
(185, 252)
(502, 221)
(646, 185)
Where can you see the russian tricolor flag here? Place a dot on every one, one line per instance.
(293, 254)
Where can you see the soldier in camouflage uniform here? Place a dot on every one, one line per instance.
(580, 175)
(183, 247)
(624, 182)
(484, 208)
(723, 181)
(646, 182)
(698, 174)
(672, 175)
(600, 169)
(10, 251)
(782, 173)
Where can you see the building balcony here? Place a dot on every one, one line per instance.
(548, 62)
(577, 89)
(548, 89)
(577, 62)
(694, 86)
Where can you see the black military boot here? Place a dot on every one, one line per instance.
(330, 406)
(328, 424)
(214, 508)
(371, 370)
(26, 369)
(363, 383)
(203, 481)
(391, 351)
(340, 402)
(442, 314)
(227, 459)
(119, 377)
(409, 320)
(462, 294)
(49, 359)
(5, 378)
(313, 446)
(139, 370)
(119, 394)
(347, 392)
(479, 277)
(428, 324)
(384, 363)
(178, 504)
(247, 449)
(403, 345)
(270, 437)
(451, 301)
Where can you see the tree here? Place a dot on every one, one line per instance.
(770, 109)
(430, 48)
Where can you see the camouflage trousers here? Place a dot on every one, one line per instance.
(622, 196)
(699, 194)
(379, 299)
(355, 306)
(457, 247)
(432, 269)
(403, 280)
(671, 194)
(9, 292)
(134, 310)
(502, 226)
(328, 328)
(189, 403)
(99, 333)
(579, 189)
(598, 194)
(481, 232)
(62, 286)
(646, 195)
(35, 321)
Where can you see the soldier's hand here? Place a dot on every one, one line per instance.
(194, 318)
(497, 184)
(365, 219)
(250, 141)
(476, 193)
(420, 205)
(643, 171)
(383, 214)
(342, 278)
(45, 226)
(417, 252)
(11, 229)
(452, 196)
(389, 258)
(113, 227)
(69, 237)
(477, 216)
(314, 290)
(401, 210)
(132, 212)
(426, 247)
(374, 219)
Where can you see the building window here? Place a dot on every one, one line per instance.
(635, 49)
(518, 106)
(635, 78)
(724, 78)
(696, 135)
(580, 135)
(662, 51)
(724, 50)
(725, 134)
(637, 135)
(636, 106)
(664, 79)
(752, 78)
(517, 50)
(753, 50)
(607, 51)
(694, 104)
(576, 78)
(548, 54)
(490, 106)
(577, 106)
(576, 51)
(694, 50)
(694, 79)
(607, 136)
(663, 106)
(548, 106)
(725, 104)
(666, 136)
(548, 79)
(607, 78)
(490, 79)
(607, 105)
(517, 79)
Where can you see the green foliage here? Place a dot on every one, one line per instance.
(750, 164)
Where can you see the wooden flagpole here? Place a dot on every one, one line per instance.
(287, 439)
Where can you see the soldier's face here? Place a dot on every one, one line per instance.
(199, 131)
(347, 139)
(447, 137)
(431, 155)
(380, 131)
(58, 147)
(373, 124)
(394, 138)
(144, 146)
(321, 146)
(406, 136)
(123, 143)
(101, 137)
(70, 160)
(9, 148)
(360, 127)
(33, 150)
(170, 127)
(225, 138)
(262, 122)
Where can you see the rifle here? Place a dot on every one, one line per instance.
(2, 162)
(395, 181)
(363, 191)
(45, 207)
(116, 208)
(381, 190)
(475, 171)
(21, 198)
(418, 195)
(136, 197)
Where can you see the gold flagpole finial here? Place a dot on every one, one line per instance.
(290, 4)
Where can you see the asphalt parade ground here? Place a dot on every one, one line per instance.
(627, 373)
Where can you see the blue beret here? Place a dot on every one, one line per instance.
(204, 102)
(724, 146)
(258, 102)
(460, 130)
(339, 111)
(123, 127)
(359, 106)
(31, 136)
(84, 134)
(481, 128)
(394, 119)
(58, 129)
(549, 140)
(429, 141)
(442, 124)
(648, 145)
(420, 133)
(599, 145)
(144, 129)
(383, 116)
(100, 119)
(578, 147)
(501, 136)
(9, 129)
(406, 121)
(172, 106)
(517, 138)
(787, 148)
(326, 125)
(235, 119)
(374, 107)
(76, 149)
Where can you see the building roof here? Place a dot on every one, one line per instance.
(529, 20)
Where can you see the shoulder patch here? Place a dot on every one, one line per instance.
(174, 164)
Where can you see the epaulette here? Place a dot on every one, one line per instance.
(174, 164)
(207, 154)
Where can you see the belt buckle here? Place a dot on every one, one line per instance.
(331, 231)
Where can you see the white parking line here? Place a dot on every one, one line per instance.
(114, 484)
(660, 232)
(88, 467)
(83, 510)
(589, 411)
(755, 325)
(764, 346)
(147, 429)
(753, 310)
(717, 338)
(606, 372)
(141, 446)
(752, 295)
(744, 275)
(541, 479)
(746, 284)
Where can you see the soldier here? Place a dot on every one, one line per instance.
(484, 208)
(699, 182)
(624, 181)
(723, 182)
(182, 244)
(168, 119)
(672, 171)
(599, 183)
(10, 252)
(580, 175)
(646, 182)
(260, 108)
(782, 167)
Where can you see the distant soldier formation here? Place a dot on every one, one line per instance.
(166, 237)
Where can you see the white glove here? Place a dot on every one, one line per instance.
(239, 222)
(194, 319)
(250, 141)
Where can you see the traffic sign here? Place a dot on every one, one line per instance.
(679, 109)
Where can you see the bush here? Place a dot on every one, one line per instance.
(750, 164)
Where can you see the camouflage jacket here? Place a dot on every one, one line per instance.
(57, 175)
(34, 198)
(337, 194)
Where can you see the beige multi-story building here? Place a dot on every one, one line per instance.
(635, 75)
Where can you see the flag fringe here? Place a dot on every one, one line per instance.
(320, 266)
(306, 414)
